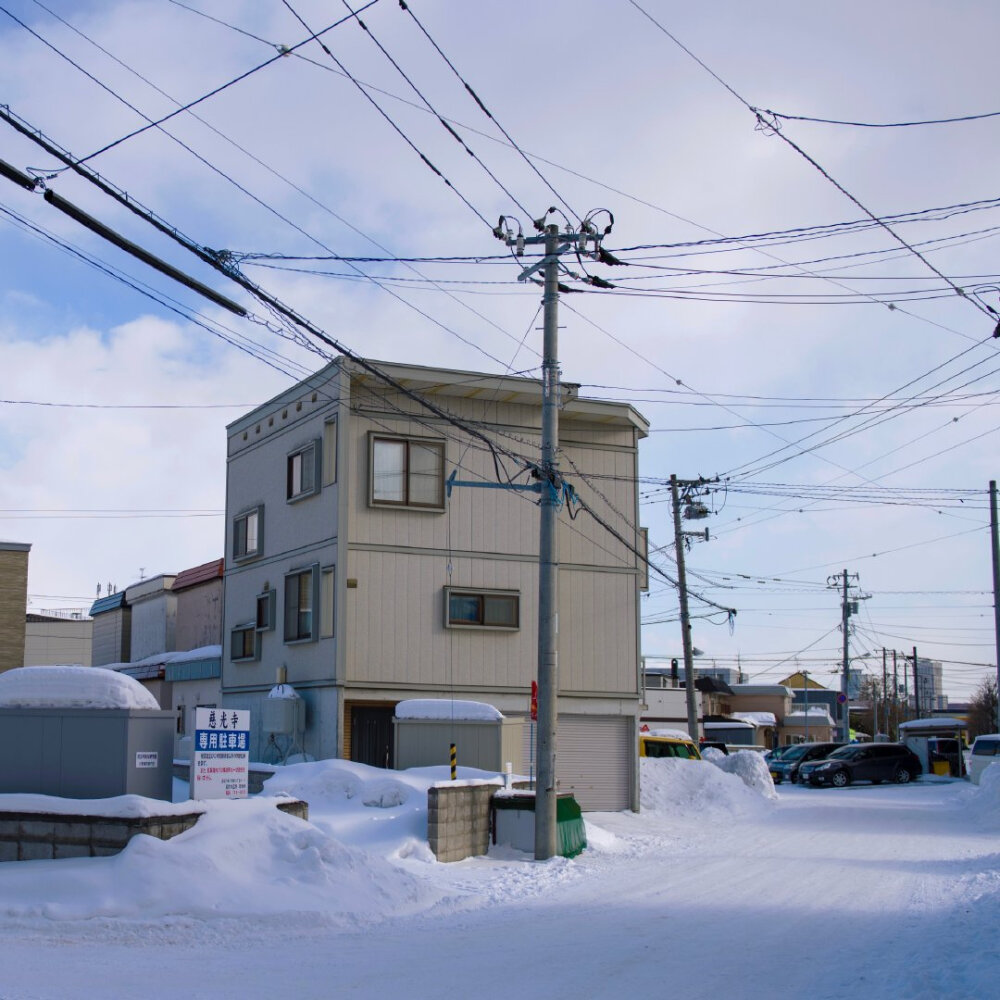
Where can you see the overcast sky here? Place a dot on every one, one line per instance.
(748, 376)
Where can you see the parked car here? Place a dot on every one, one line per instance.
(777, 753)
(874, 762)
(655, 744)
(786, 768)
(985, 751)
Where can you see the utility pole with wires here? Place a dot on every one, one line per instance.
(687, 490)
(995, 550)
(583, 241)
(842, 581)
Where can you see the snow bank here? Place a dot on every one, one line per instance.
(243, 859)
(984, 799)
(696, 790)
(72, 687)
(445, 708)
(750, 767)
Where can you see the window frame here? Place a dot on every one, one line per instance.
(269, 599)
(408, 441)
(328, 572)
(310, 457)
(330, 448)
(313, 590)
(484, 595)
(247, 554)
(247, 628)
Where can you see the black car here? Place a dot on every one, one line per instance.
(786, 767)
(874, 762)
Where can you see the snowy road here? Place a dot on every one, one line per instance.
(874, 892)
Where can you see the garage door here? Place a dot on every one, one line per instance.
(594, 759)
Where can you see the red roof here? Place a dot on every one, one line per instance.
(199, 574)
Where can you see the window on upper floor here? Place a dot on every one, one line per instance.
(243, 642)
(499, 609)
(301, 598)
(406, 472)
(330, 452)
(248, 534)
(265, 611)
(302, 476)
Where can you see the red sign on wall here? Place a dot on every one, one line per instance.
(534, 701)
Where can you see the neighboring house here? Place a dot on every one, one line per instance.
(55, 639)
(168, 632)
(154, 615)
(347, 564)
(13, 601)
(196, 680)
(812, 725)
(112, 630)
(664, 696)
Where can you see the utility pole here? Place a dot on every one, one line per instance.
(548, 565)
(805, 678)
(995, 539)
(885, 692)
(550, 499)
(916, 685)
(895, 690)
(680, 540)
(842, 581)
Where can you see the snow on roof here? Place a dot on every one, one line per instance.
(673, 734)
(816, 713)
(734, 724)
(182, 656)
(757, 718)
(915, 725)
(446, 708)
(72, 687)
(778, 689)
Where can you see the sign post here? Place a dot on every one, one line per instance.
(221, 759)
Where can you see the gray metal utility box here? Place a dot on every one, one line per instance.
(487, 744)
(87, 753)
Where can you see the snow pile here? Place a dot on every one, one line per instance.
(984, 799)
(72, 687)
(243, 859)
(750, 767)
(695, 790)
(447, 709)
(283, 692)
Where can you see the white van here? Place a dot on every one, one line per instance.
(985, 751)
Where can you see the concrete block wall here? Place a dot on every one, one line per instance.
(28, 836)
(458, 820)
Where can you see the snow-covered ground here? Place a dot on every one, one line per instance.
(718, 888)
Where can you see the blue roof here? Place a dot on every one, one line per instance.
(109, 603)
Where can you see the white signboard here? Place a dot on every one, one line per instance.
(221, 758)
(147, 758)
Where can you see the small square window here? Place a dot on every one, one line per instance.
(482, 609)
(302, 472)
(248, 534)
(243, 642)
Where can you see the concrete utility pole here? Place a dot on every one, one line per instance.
(548, 562)
(842, 581)
(586, 241)
(916, 686)
(995, 538)
(805, 681)
(692, 709)
(885, 690)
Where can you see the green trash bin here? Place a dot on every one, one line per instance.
(514, 822)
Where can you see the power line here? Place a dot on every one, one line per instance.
(836, 121)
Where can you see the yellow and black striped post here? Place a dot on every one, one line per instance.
(454, 762)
